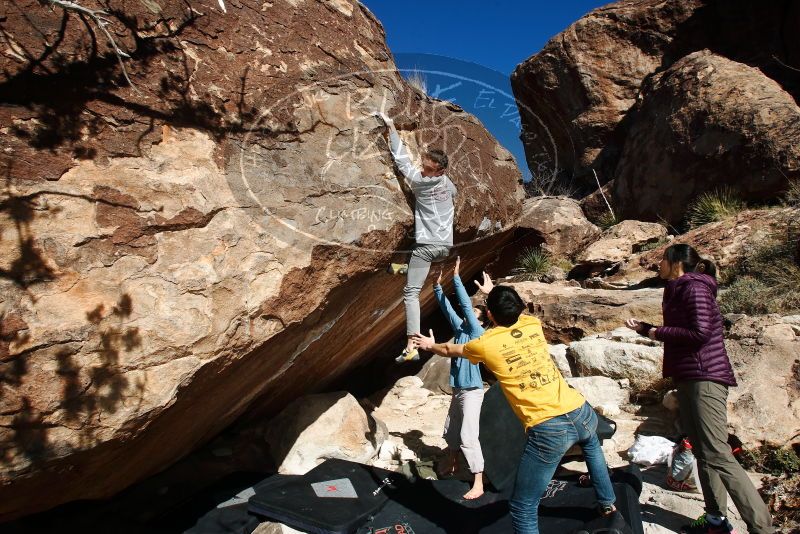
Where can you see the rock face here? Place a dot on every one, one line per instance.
(706, 122)
(316, 427)
(725, 242)
(601, 391)
(569, 313)
(579, 93)
(617, 244)
(560, 224)
(765, 407)
(206, 242)
(619, 354)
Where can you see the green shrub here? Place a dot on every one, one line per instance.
(562, 263)
(607, 220)
(767, 280)
(776, 461)
(531, 263)
(713, 206)
(745, 295)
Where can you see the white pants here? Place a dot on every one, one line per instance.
(462, 426)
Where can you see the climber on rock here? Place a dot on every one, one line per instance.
(434, 213)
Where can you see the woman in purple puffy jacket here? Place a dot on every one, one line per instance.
(695, 358)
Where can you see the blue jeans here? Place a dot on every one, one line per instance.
(547, 443)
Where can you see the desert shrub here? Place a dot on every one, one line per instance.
(744, 295)
(417, 80)
(782, 495)
(607, 220)
(767, 280)
(713, 206)
(792, 195)
(532, 262)
(562, 263)
(549, 183)
(650, 245)
(776, 461)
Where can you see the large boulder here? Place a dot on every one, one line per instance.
(576, 90)
(706, 123)
(618, 244)
(575, 95)
(619, 354)
(569, 313)
(206, 241)
(765, 353)
(560, 224)
(317, 427)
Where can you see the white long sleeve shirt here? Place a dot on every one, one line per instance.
(434, 209)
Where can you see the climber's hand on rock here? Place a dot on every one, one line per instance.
(458, 265)
(439, 278)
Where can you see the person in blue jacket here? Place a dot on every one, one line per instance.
(461, 427)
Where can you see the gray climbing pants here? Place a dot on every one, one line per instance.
(418, 267)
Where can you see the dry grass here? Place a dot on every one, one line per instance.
(418, 81)
(766, 281)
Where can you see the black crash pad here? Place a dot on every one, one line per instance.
(335, 497)
(436, 507)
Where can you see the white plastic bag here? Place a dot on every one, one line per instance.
(650, 450)
(682, 468)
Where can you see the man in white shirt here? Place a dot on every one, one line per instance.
(434, 214)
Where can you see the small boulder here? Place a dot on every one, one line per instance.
(316, 427)
(619, 355)
(435, 375)
(560, 223)
(601, 391)
(559, 354)
(765, 407)
(616, 245)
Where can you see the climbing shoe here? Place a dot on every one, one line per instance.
(408, 356)
(702, 525)
(397, 268)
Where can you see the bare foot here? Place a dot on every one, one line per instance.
(477, 488)
(474, 493)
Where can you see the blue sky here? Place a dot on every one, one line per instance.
(486, 39)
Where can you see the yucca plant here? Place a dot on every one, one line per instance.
(713, 206)
(532, 262)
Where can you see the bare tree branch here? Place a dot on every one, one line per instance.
(600, 187)
(100, 20)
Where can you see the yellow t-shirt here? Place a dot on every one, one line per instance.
(530, 380)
